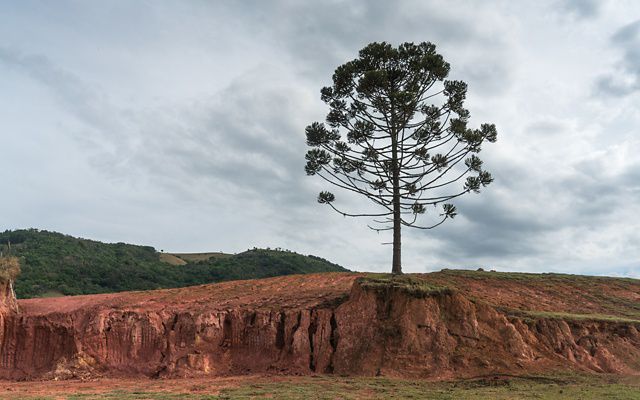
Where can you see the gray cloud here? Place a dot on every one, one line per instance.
(104, 126)
(498, 226)
(582, 9)
(325, 35)
(546, 127)
(625, 79)
(612, 85)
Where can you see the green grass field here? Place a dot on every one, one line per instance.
(325, 387)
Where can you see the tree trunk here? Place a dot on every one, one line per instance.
(396, 265)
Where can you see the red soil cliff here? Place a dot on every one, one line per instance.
(325, 323)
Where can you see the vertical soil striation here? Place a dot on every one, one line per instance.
(325, 323)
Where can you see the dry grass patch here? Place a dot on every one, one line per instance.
(9, 268)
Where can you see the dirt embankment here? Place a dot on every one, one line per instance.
(322, 323)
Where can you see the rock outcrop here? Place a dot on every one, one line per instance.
(325, 323)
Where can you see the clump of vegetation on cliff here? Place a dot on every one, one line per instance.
(410, 284)
(57, 264)
(9, 269)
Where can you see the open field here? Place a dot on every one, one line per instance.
(561, 386)
(195, 257)
(171, 259)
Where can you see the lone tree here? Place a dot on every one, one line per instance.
(407, 143)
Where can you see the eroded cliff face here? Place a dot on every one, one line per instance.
(447, 336)
(367, 332)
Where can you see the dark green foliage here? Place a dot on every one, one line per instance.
(53, 262)
(397, 133)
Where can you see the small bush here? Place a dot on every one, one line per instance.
(9, 268)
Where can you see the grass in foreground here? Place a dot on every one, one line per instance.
(396, 389)
(571, 317)
(325, 387)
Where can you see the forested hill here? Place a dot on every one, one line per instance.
(57, 264)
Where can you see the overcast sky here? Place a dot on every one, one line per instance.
(180, 124)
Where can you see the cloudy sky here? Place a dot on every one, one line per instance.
(180, 124)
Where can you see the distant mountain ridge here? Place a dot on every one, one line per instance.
(55, 264)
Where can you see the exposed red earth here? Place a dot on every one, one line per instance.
(334, 323)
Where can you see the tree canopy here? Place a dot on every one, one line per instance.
(397, 132)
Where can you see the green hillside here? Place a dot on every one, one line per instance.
(57, 264)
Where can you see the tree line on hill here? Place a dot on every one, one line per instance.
(58, 264)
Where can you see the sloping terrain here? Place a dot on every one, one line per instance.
(171, 259)
(195, 257)
(443, 325)
(54, 264)
(550, 295)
